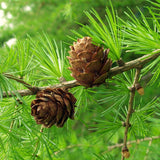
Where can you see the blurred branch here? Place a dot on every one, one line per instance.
(70, 147)
(138, 141)
(147, 152)
(114, 71)
(131, 142)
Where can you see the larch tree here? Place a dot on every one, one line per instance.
(89, 101)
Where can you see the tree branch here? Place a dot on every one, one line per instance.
(114, 71)
(133, 64)
(131, 142)
(110, 147)
(30, 87)
(147, 152)
(130, 110)
(68, 84)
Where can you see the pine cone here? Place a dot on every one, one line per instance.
(53, 107)
(89, 63)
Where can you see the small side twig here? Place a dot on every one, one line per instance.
(130, 109)
(20, 80)
(11, 125)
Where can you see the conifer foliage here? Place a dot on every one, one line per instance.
(113, 99)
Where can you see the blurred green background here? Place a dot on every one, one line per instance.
(55, 17)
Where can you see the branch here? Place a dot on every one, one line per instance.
(109, 147)
(114, 71)
(30, 87)
(133, 64)
(130, 110)
(130, 142)
(70, 147)
(68, 84)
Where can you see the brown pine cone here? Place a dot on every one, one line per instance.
(89, 63)
(53, 107)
